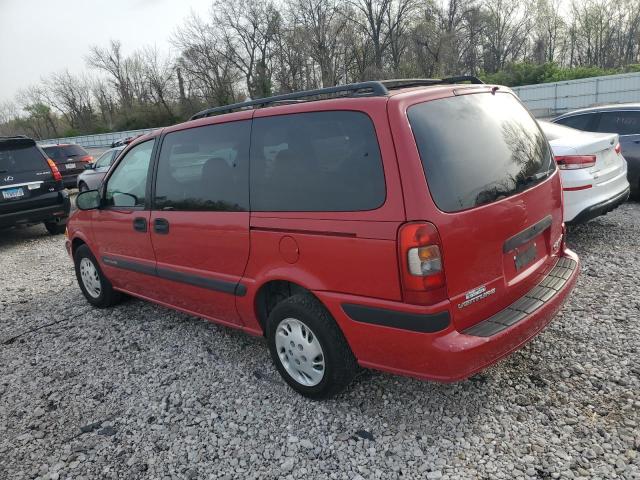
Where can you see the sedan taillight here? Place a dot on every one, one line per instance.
(574, 162)
(86, 159)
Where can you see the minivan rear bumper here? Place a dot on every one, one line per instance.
(449, 355)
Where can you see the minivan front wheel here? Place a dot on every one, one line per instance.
(96, 288)
(308, 348)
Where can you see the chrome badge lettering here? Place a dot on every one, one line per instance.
(475, 295)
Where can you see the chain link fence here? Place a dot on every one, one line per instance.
(100, 140)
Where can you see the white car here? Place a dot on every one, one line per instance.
(592, 169)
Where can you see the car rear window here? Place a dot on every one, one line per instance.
(579, 122)
(622, 123)
(61, 153)
(478, 148)
(316, 161)
(20, 159)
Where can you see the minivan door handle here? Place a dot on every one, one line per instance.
(161, 225)
(140, 224)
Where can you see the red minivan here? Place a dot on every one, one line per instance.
(413, 227)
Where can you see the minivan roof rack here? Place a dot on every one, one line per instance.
(425, 82)
(377, 88)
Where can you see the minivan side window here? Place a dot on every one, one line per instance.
(580, 122)
(316, 161)
(205, 169)
(622, 123)
(127, 185)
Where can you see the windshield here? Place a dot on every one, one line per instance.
(478, 148)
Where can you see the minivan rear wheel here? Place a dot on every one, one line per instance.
(308, 348)
(96, 288)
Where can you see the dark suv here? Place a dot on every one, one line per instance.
(623, 119)
(31, 189)
(71, 160)
(409, 226)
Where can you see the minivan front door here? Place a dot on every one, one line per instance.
(121, 227)
(200, 218)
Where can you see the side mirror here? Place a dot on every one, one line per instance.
(89, 200)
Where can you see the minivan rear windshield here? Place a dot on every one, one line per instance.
(478, 148)
(20, 159)
(61, 153)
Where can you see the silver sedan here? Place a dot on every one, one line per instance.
(92, 177)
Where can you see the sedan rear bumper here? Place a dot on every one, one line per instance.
(600, 208)
(587, 192)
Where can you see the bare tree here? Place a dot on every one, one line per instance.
(202, 71)
(508, 25)
(323, 24)
(549, 31)
(111, 61)
(40, 121)
(160, 76)
(259, 47)
(106, 101)
(247, 29)
(8, 112)
(72, 97)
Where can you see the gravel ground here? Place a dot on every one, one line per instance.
(140, 391)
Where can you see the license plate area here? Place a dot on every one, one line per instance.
(12, 193)
(526, 256)
(70, 166)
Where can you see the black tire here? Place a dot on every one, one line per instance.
(340, 365)
(55, 228)
(108, 296)
(82, 187)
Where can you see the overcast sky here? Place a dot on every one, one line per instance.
(39, 37)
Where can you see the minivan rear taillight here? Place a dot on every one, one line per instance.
(420, 259)
(54, 170)
(573, 162)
